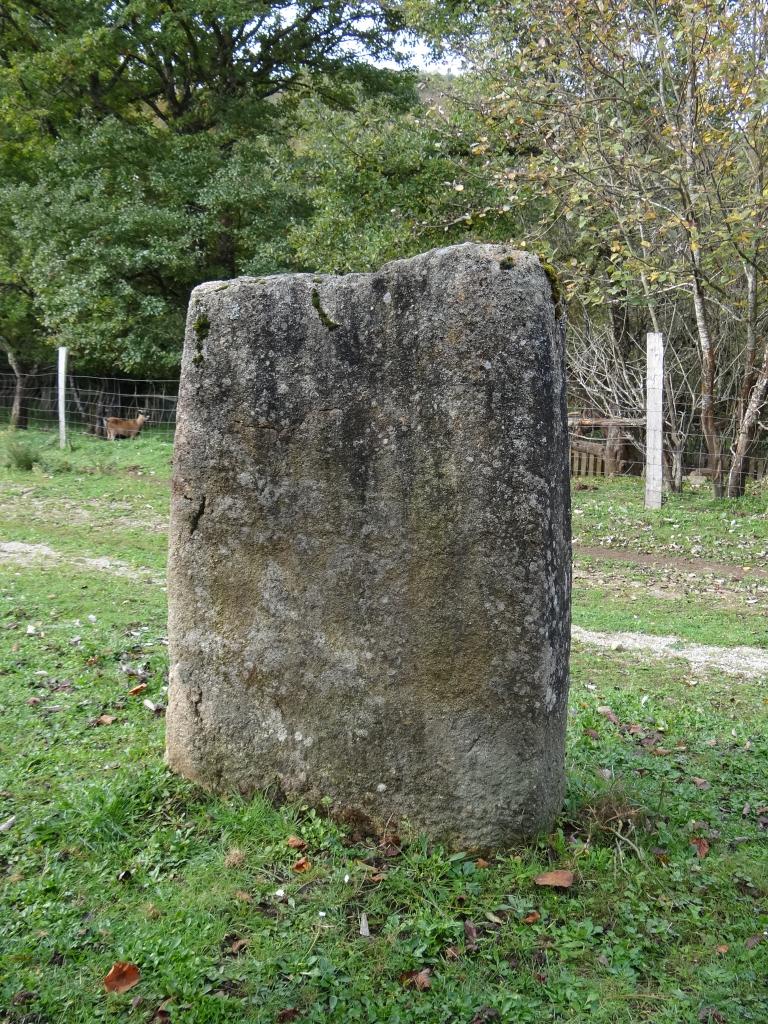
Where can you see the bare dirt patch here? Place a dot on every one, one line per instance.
(693, 565)
(34, 554)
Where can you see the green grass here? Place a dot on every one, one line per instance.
(691, 524)
(112, 858)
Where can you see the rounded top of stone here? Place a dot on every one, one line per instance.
(495, 257)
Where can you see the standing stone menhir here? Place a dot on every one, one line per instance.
(370, 547)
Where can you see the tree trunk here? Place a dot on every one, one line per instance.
(706, 345)
(22, 392)
(614, 450)
(737, 478)
(750, 385)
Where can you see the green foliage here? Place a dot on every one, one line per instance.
(149, 149)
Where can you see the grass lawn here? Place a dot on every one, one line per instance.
(109, 858)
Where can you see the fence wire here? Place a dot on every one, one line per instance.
(89, 401)
(598, 447)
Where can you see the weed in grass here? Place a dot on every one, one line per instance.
(20, 456)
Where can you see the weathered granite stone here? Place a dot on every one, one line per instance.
(370, 543)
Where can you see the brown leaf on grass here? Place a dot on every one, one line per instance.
(390, 845)
(532, 918)
(243, 896)
(105, 720)
(377, 878)
(470, 934)
(660, 751)
(122, 977)
(235, 858)
(238, 946)
(608, 713)
(700, 844)
(32, 701)
(560, 879)
(722, 950)
(451, 953)
(136, 690)
(22, 998)
(700, 783)
(592, 733)
(754, 940)
(420, 980)
(163, 1012)
(302, 864)
(296, 843)
(635, 730)
(481, 862)
(288, 1014)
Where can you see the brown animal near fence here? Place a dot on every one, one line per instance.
(116, 428)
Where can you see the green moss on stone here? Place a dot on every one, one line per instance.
(326, 321)
(202, 327)
(554, 284)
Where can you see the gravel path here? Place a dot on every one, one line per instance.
(751, 662)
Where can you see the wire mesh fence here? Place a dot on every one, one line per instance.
(615, 446)
(600, 445)
(89, 402)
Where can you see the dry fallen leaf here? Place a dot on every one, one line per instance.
(163, 1012)
(470, 934)
(295, 843)
(122, 977)
(722, 950)
(243, 897)
(481, 862)
(700, 783)
(560, 879)
(701, 846)
(136, 690)
(608, 713)
(451, 953)
(238, 946)
(532, 918)
(754, 940)
(417, 979)
(105, 720)
(302, 864)
(290, 1013)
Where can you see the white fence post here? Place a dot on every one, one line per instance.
(62, 397)
(654, 421)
